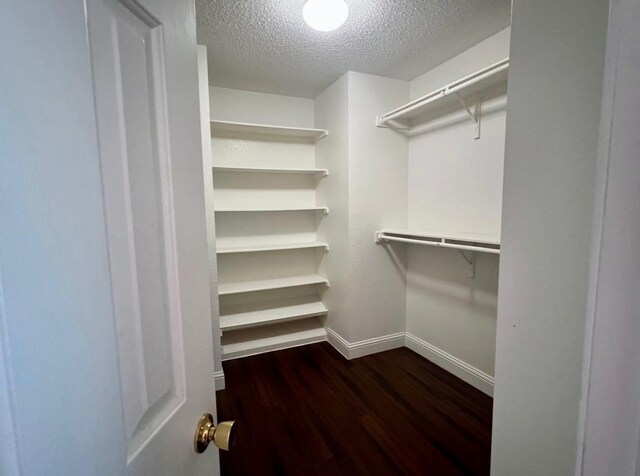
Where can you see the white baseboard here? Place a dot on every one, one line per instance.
(480, 380)
(473, 376)
(364, 347)
(219, 380)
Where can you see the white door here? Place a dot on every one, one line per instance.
(117, 307)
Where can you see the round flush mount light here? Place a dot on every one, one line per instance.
(325, 15)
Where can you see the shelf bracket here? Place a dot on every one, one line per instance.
(471, 261)
(473, 115)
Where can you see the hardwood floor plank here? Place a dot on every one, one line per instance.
(308, 411)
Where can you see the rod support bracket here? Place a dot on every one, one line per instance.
(473, 115)
(471, 261)
(381, 123)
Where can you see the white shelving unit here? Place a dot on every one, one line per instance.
(274, 170)
(463, 92)
(269, 287)
(228, 128)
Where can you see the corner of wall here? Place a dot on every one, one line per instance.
(332, 154)
(377, 165)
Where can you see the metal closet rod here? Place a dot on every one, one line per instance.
(452, 88)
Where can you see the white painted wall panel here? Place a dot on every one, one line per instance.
(264, 228)
(366, 191)
(377, 199)
(611, 383)
(262, 190)
(455, 186)
(260, 108)
(450, 311)
(555, 89)
(239, 152)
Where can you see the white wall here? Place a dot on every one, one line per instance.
(366, 191)
(260, 108)
(455, 186)
(331, 113)
(611, 382)
(377, 199)
(555, 88)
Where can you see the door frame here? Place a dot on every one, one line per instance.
(609, 422)
(8, 451)
(595, 383)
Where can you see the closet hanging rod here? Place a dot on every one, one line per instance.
(440, 243)
(471, 83)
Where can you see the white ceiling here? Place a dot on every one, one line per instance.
(264, 45)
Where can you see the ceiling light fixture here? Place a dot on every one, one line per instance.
(325, 15)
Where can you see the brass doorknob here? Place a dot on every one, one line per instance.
(206, 432)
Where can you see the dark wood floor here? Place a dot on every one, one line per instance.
(308, 411)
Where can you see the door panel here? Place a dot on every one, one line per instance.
(139, 222)
(105, 325)
(165, 360)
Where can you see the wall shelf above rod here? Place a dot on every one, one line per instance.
(459, 92)
(270, 170)
(273, 132)
(462, 242)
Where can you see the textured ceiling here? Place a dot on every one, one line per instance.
(264, 45)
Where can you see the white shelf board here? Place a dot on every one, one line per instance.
(271, 247)
(442, 97)
(269, 284)
(258, 314)
(325, 210)
(252, 341)
(297, 134)
(267, 170)
(475, 237)
(461, 241)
